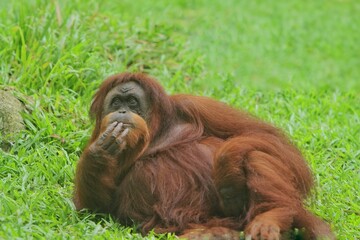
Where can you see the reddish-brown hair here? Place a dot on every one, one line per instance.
(161, 109)
(191, 156)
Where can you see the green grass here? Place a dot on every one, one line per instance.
(293, 63)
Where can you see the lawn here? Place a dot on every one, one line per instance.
(295, 64)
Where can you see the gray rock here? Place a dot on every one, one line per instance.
(11, 121)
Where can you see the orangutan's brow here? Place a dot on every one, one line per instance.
(125, 89)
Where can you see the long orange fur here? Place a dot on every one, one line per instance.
(191, 148)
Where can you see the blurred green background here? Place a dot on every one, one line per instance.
(292, 63)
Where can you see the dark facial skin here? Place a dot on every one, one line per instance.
(125, 98)
(120, 104)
